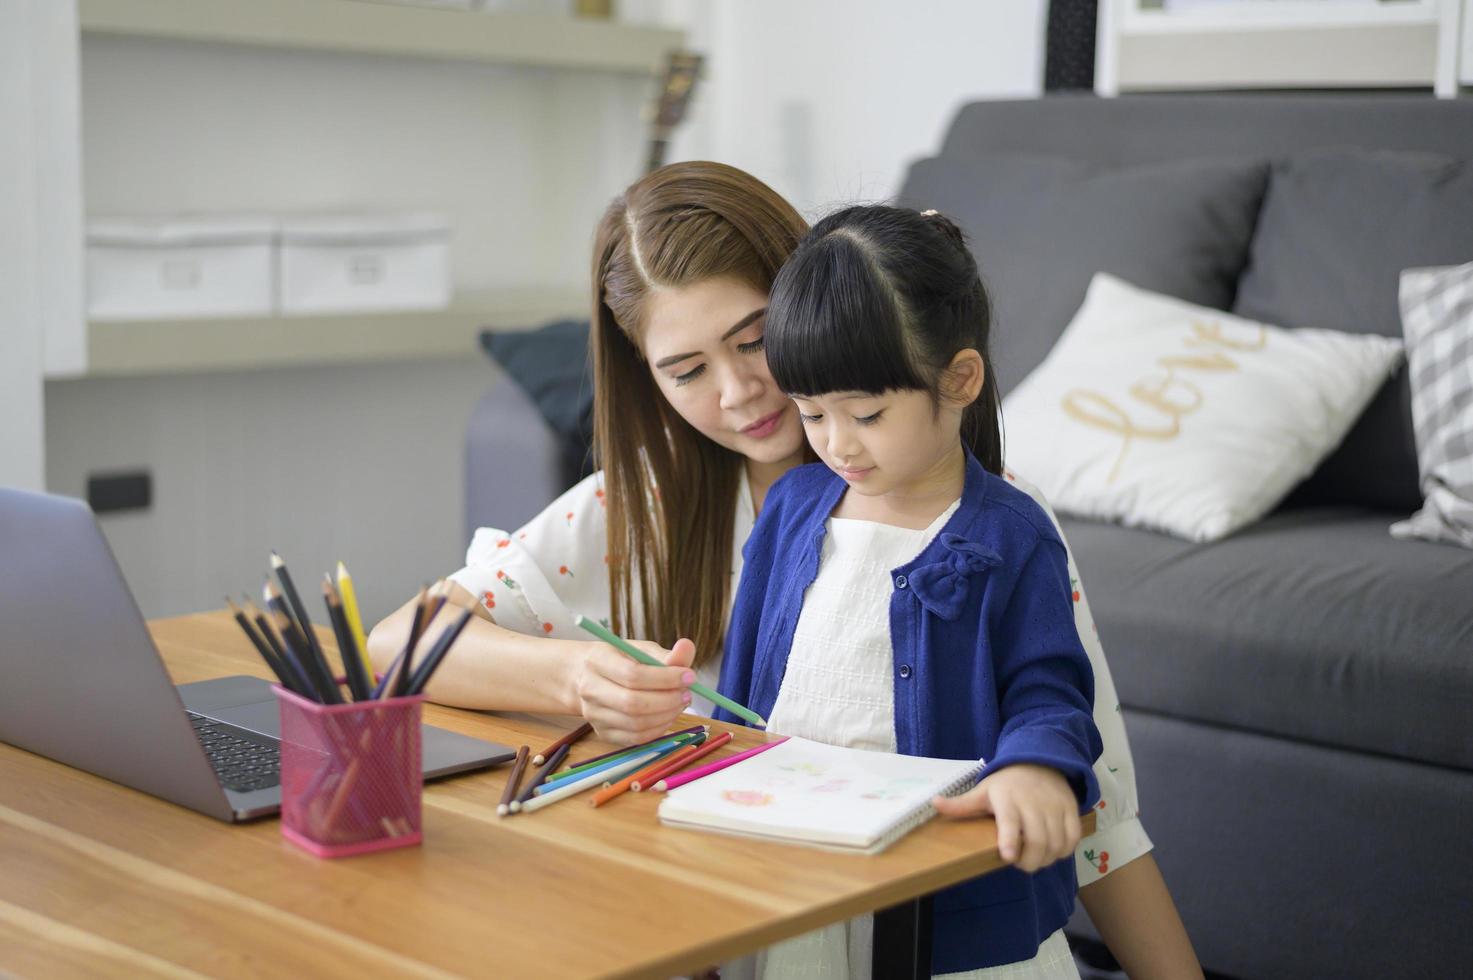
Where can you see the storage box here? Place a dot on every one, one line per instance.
(346, 263)
(141, 268)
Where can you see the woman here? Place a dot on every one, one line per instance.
(691, 432)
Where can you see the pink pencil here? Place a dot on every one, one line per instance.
(670, 782)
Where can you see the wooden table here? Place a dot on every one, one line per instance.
(97, 878)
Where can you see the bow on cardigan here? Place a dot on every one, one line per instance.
(941, 587)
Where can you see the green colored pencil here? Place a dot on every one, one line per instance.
(624, 646)
(658, 743)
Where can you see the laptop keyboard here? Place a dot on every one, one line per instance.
(241, 764)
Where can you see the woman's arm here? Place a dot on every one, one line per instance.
(498, 669)
(1135, 916)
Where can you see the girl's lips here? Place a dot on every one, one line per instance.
(855, 472)
(764, 427)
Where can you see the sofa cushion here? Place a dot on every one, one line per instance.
(1313, 624)
(1042, 226)
(1336, 231)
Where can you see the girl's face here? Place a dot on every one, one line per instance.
(899, 443)
(703, 344)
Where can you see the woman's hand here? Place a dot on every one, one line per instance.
(629, 702)
(1030, 802)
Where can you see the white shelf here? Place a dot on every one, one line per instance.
(381, 29)
(151, 347)
(1256, 44)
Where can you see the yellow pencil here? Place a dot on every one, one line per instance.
(350, 612)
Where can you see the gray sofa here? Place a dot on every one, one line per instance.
(1298, 695)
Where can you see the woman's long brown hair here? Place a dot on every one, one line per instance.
(669, 490)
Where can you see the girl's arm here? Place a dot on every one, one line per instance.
(496, 668)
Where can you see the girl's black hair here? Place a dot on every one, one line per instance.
(877, 299)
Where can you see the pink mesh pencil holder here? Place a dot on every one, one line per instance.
(351, 775)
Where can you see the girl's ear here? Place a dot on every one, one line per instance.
(962, 380)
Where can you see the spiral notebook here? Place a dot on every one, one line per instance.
(804, 792)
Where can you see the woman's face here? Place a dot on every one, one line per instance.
(703, 344)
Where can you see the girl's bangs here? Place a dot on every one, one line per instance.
(833, 326)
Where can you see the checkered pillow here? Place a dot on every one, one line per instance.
(1437, 318)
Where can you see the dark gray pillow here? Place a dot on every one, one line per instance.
(1042, 226)
(551, 365)
(1337, 229)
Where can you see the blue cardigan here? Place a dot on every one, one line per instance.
(988, 665)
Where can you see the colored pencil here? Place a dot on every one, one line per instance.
(684, 735)
(355, 620)
(358, 681)
(660, 752)
(575, 786)
(298, 610)
(387, 684)
(432, 660)
(260, 644)
(281, 630)
(650, 773)
(627, 783)
(677, 764)
(415, 629)
(508, 794)
(680, 779)
(552, 763)
(313, 665)
(298, 680)
(567, 739)
(624, 646)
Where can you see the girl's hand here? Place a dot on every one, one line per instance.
(1031, 802)
(629, 702)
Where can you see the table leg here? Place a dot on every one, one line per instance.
(902, 949)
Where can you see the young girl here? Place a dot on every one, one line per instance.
(902, 595)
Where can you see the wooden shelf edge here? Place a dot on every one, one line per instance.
(124, 348)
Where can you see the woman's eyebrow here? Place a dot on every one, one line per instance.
(665, 362)
(737, 327)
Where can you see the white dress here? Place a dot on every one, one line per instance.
(839, 688)
(536, 579)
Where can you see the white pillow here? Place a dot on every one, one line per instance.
(1161, 414)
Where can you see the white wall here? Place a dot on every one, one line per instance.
(523, 160)
(829, 100)
(39, 250)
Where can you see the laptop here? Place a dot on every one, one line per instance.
(81, 681)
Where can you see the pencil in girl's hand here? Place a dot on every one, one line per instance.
(566, 740)
(349, 597)
(314, 665)
(436, 656)
(358, 681)
(680, 779)
(552, 763)
(677, 764)
(510, 793)
(260, 644)
(629, 649)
